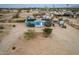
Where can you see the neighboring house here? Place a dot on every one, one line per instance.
(45, 17)
(68, 13)
(61, 22)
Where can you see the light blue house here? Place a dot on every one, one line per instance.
(34, 22)
(39, 23)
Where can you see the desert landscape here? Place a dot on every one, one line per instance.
(16, 38)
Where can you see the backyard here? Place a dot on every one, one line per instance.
(61, 41)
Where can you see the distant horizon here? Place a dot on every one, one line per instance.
(39, 5)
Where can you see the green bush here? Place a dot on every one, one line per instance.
(30, 24)
(29, 35)
(47, 32)
(48, 24)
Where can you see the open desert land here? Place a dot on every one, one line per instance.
(62, 41)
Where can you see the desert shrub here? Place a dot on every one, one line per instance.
(48, 24)
(1, 27)
(30, 34)
(16, 16)
(36, 14)
(3, 21)
(13, 48)
(28, 11)
(47, 32)
(20, 21)
(67, 21)
(14, 25)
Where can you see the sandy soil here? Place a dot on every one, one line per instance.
(61, 41)
(6, 30)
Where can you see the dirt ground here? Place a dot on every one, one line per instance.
(5, 31)
(62, 41)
